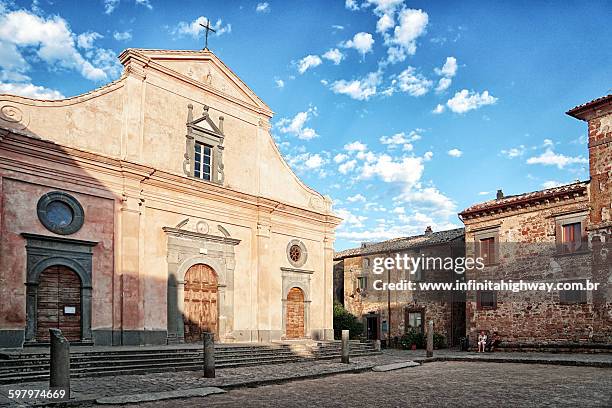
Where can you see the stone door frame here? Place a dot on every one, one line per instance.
(186, 249)
(296, 278)
(43, 252)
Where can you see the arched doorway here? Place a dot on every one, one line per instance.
(58, 303)
(295, 314)
(200, 302)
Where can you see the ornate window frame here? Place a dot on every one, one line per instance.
(303, 253)
(78, 215)
(204, 131)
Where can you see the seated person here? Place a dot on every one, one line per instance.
(482, 341)
(492, 342)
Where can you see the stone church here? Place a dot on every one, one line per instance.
(155, 208)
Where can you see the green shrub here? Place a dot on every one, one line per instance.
(343, 320)
(439, 341)
(412, 337)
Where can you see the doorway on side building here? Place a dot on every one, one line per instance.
(295, 314)
(58, 303)
(200, 307)
(372, 326)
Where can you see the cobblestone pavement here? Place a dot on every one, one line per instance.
(97, 387)
(568, 358)
(455, 384)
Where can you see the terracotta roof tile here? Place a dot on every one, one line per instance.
(397, 244)
(534, 195)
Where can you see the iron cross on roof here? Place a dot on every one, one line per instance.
(207, 28)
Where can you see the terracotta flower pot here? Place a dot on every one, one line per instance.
(413, 347)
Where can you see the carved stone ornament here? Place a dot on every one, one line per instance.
(204, 130)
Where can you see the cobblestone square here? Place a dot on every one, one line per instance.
(431, 385)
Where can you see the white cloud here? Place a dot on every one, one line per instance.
(279, 83)
(110, 6)
(400, 139)
(412, 24)
(465, 101)
(355, 146)
(443, 84)
(484, 193)
(86, 40)
(334, 55)
(360, 89)
(263, 7)
(514, 152)
(406, 171)
(429, 199)
(383, 6)
(551, 184)
(351, 5)
(193, 29)
(308, 162)
(455, 153)
(384, 23)
(296, 125)
(413, 83)
(52, 41)
(122, 35)
(438, 109)
(145, 3)
(449, 69)
(337, 27)
(347, 166)
(309, 61)
(314, 161)
(340, 157)
(30, 91)
(550, 158)
(428, 156)
(350, 218)
(362, 42)
(356, 198)
(399, 210)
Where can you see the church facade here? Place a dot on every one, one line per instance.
(155, 208)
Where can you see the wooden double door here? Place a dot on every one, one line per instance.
(58, 303)
(200, 312)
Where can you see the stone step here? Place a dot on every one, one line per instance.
(140, 369)
(117, 359)
(4, 370)
(164, 355)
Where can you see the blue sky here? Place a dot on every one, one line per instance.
(404, 112)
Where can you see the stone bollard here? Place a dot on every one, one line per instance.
(59, 376)
(209, 354)
(430, 339)
(376, 345)
(345, 346)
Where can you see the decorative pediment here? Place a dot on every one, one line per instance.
(204, 124)
(203, 68)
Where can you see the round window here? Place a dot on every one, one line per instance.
(60, 213)
(296, 253)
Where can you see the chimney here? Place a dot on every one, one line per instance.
(428, 230)
(500, 195)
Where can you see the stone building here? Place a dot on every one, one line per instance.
(150, 209)
(388, 314)
(557, 235)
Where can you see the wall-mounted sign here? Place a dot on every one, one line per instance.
(69, 310)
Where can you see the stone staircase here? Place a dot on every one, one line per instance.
(26, 366)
